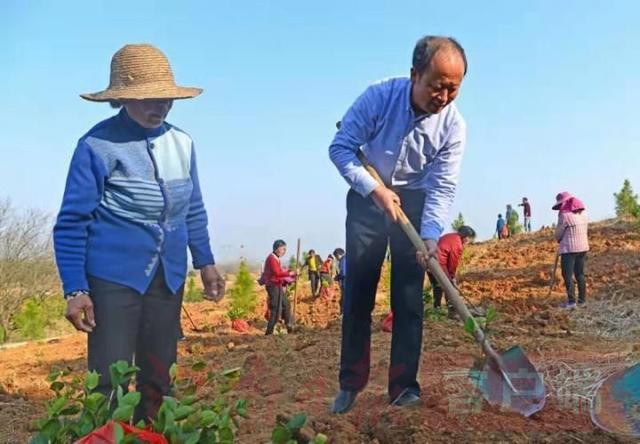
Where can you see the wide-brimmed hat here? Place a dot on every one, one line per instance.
(140, 72)
(565, 201)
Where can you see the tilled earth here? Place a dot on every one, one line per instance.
(288, 374)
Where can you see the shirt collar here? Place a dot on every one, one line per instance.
(137, 129)
(408, 107)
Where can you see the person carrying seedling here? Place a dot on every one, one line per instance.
(413, 135)
(313, 264)
(131, 207)
(275, 279)
(451, 247)
(526, 212)
(572, 236)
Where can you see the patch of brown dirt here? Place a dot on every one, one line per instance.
(296, 373)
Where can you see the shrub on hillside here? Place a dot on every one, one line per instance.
(627, 202)
(243, 300)
(458, 222)
(193, 293)
(38, 314)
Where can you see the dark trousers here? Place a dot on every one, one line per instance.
(134, 327)
(368, 234)
(437, 291)
(572, 264)
(314, 278)
(277, 296)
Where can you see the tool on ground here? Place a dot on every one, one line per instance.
(552, 281)
(193, 324)
(616, 404)
(508, 379)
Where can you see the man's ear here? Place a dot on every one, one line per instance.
(414, 75)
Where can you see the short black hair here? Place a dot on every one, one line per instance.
(467, 231)
(279, 243)
(428, 46)
(338, 252)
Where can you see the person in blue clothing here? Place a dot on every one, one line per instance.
(414, 136)
(131, 206)
(500, 227)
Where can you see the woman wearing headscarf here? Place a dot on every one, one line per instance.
(572, 235)
(131, 207)
(276, 278)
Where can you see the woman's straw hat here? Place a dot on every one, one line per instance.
(141, 72)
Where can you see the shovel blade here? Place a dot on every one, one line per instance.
(530, 394)
(616, 405)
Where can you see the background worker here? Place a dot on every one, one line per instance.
(450, 247)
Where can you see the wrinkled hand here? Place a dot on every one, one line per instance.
(432, 251)
(80, 313)
(214, 283)
(386, 200)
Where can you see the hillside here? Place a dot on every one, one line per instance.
(298, 373)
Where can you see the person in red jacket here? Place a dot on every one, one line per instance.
(450, 247)
(276, 278)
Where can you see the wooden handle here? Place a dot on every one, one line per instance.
(452, 294)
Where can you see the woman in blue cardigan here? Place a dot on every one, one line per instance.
(131, 207)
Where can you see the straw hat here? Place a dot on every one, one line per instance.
(141, 72)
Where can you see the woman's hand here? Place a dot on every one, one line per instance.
(80, 313)
(214, 283)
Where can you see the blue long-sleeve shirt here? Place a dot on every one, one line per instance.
(132, 203)
(409, 151)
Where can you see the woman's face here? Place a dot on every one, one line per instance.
(148, 113)
(280, 251)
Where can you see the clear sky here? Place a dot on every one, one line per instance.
(550, 99)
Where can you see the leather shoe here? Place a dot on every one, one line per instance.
(343, 401)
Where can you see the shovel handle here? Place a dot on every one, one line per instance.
(453, 296)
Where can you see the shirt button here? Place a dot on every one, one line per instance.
(152, 145)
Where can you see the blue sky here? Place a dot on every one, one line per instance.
(550, 100)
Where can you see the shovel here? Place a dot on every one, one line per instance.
(508, 379)
(616, 405)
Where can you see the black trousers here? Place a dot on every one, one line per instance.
(369, 232)
(572, 264)
(136, 327)
(277, 295)
(314, 278)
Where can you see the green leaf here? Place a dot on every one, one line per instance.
(141, 424)
(188, 400)
(131, 398)
(93, 401)
(208, 418)
(57, 405)
(123, 413)
(183, 411)
(173, 371)
(57, 386)
(192, 437)
(118, 433)
(320, 439)
(50, 428)
(491, 314)
(53, 376)
(280, 435)
(71, 410)
(297, 422)
(39, 439)
(91, 382)
(198, 366)
(169, 421)
(226, 435)
(470, 325)
(122, 366)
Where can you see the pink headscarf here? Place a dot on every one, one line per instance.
(567, 203)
